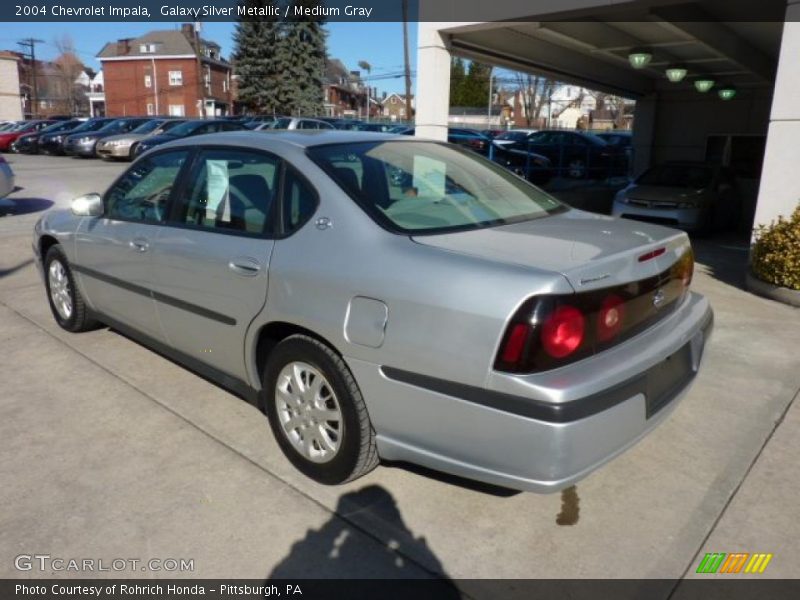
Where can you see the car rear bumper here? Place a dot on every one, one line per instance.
(542, 432)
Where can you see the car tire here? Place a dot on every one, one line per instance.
(66, 302)
(310, 417)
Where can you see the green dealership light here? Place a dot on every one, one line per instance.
(727, 92)
(676, 74)
(639, 59)
(703, 85)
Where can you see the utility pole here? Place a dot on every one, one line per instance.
(405, 56)
(31, 43)
(489, 108)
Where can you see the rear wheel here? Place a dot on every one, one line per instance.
(576, 169)
(66, 303)
(317, 413)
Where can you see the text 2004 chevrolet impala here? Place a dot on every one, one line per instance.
(385, 297)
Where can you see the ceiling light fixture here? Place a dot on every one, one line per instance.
(703, 85)
(676, 73)
(727, 92)
(639, 59)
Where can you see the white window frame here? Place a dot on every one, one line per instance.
(150, 109)
(147, 48)
(148, 81)
(176, 78)
(177, 110)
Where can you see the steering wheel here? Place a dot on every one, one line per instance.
(156, 202)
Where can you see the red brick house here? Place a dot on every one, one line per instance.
(169, 72)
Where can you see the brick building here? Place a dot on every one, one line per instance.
(169, 72)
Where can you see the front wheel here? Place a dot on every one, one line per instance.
(317, 413)
(66, 303)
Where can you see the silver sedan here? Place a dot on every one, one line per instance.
(385, 297)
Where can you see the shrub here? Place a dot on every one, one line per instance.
(776, 252)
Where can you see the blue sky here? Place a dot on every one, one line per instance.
(380, 44)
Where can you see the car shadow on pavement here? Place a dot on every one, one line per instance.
(23, 206)
(12, 270)
(725, 257)
(337, 550)
(468, 484)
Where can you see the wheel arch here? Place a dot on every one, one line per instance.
(270, 335)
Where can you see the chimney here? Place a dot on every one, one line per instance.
(188, 30)
(123, 46)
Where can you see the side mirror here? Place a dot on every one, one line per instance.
(89, 205)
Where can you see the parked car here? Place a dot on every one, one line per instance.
(187, 129)
(576, 154)
(512, 136)
(7, 125)
(122, 146)
(6, 178)
(295, 123)
(53, 143)
(691, 195)
(622, 139)
(468, 138)
(467, 321)
(534, 167)
(11, 135)
(29, 143)
(377, 127)
(84, 143)
(492, 133)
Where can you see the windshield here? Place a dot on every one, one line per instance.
(280, 124)
(60, 126)
(185, 128)
(148, 126)
(687, 176)
(118, 126)
(91, 125)
(516, 136)
(427, 187)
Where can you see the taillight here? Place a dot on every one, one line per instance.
(683, 270)
(609, 321)
(514, 346)
(562, 332)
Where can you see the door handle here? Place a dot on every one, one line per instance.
(140, 244)
(244, 265)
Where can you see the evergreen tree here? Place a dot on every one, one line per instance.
(304, 43)
(475, 91)
(457, 76)
(281, 63)
(256, 40)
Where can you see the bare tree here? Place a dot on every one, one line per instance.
(67, 69)
(534, 93)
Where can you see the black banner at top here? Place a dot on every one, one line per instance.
(390, 10)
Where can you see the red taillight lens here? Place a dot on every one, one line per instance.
(515, 344)
(609, 319)
(562, 332)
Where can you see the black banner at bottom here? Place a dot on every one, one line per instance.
(712, 588)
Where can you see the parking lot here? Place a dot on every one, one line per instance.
(116, 452)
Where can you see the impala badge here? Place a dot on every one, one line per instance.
(658, 298)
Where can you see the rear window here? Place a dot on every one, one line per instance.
(425, 187)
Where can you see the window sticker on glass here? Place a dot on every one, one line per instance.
(429, 177)
(218, 203)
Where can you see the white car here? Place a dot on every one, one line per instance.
(6, 178)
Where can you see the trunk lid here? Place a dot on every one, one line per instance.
(591, 251)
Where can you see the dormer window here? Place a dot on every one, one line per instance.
(148, 48)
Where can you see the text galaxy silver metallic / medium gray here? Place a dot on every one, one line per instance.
(384, 297)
